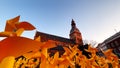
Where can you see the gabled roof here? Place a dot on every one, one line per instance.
(53, 37)
(115, 36)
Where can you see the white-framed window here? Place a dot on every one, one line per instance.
(104, 48)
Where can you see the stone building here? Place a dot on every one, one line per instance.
(112, 42)
(75, 38)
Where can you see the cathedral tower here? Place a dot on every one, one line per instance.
(75, 34)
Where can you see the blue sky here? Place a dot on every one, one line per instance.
(96, 19)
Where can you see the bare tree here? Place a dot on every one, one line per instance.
(92, 42)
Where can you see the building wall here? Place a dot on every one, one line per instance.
(111, 43)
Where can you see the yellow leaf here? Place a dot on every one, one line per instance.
(38, 39)
(56, 57)
(19, 31)
(32, 55)
(25, 25)
(44, 52)
(62, 66)
(48, 44)
(10, 24)
(7, 34)
(67, 51)
(73, 54)
(7, 62)
(16, 46)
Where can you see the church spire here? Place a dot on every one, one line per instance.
(74, 28)
(73, 23)
(75, 33)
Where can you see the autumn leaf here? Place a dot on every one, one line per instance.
(10, 24)
(19, 31)
(7, 34)
(16, 46)
(25, 25)
(38, 39)
(14, 26)
(7, 62)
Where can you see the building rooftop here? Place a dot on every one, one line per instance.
(115, 36)
(53, 37)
